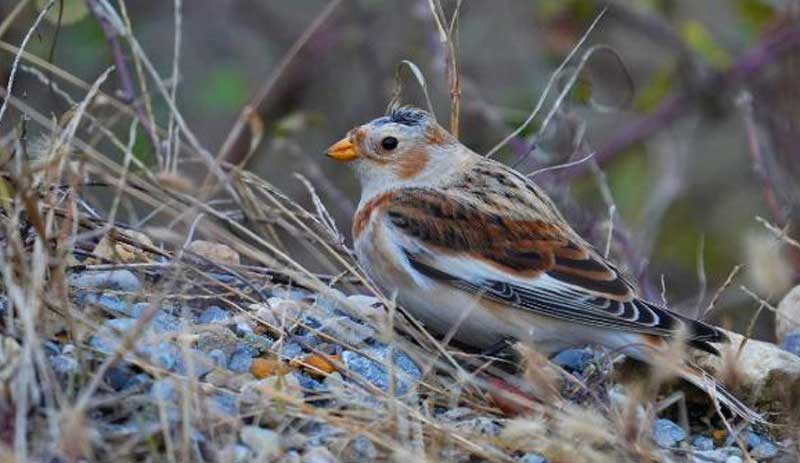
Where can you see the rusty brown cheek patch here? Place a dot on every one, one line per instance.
(411, 163)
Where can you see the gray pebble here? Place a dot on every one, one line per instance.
(667, 434)
(214, 314)
(573, 360)
(165, 355)
(703, 443)
(164, 390)
(292, 350)
(360, 449)
(64, 364)
(764, 450)
(240, 361)
(791, 342)
(532, 458)
(164, 322)
(375, 373)
(109, 302)
(218, 357)
(119, 280)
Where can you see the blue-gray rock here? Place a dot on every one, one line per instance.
(108, 337)
(573, 360)
(138, 382)
(259, 342)
(119, 280)
(214, 314)
(164, 390)
(164, 322)
(667, 434)
(703, 443)
(64, 364)
(219, 358)
(764, 450)
(307, 382)
(532, 458)
(240, 361)
(242, 329)
(376, 373)
(165, 355)
(109, 302)
(361, 449)
(201, 363)
(710, 456)
(118, 376)
(292, 350)
(791, 342)
(225, 403)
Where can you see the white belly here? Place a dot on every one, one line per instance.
(447, 311)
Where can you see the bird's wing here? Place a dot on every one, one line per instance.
(524, 262)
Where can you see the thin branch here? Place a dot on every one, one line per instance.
(17, 58)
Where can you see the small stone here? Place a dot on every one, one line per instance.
(214, 314)
(318, 365)
(764, 372)
(138, 382)
(109, 302)
(573, 360)
(703, 443)
(319, 455)
(242, 329)
(480, 425)
(164, 390)
(764, 450)
(164, 322)
(263, 367)
(347, 330)
(242, 454)
(216, 252)
(119, 280)
(308, 383)
(264, 443)
(292, 350)
(118, 376)
(376, 373)
(118, 251)
(734, 459)
(787, 316)
(64, 364)
(532, 458)
(667, 434)
(360, 449)
(225, 404)
(241, 361)
(791, 342)
(218, 357)
(165, 355)
(710, 456)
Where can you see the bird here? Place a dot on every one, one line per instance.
(475, 249)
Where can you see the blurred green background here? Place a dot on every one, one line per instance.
(704, 88)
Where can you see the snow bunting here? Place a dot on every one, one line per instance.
(475, 249)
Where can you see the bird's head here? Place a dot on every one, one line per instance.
(405, 147)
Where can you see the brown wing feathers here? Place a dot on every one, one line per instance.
(525, 246)
(530, 248)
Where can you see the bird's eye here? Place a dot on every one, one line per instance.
(389, 143)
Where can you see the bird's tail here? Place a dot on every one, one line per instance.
(718, 393)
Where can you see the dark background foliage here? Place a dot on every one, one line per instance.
(693, 115)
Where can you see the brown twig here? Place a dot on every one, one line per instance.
(235, 134)
(127, 90)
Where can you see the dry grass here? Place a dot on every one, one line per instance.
(53, 187)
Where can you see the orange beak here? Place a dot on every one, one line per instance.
(343, 150)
